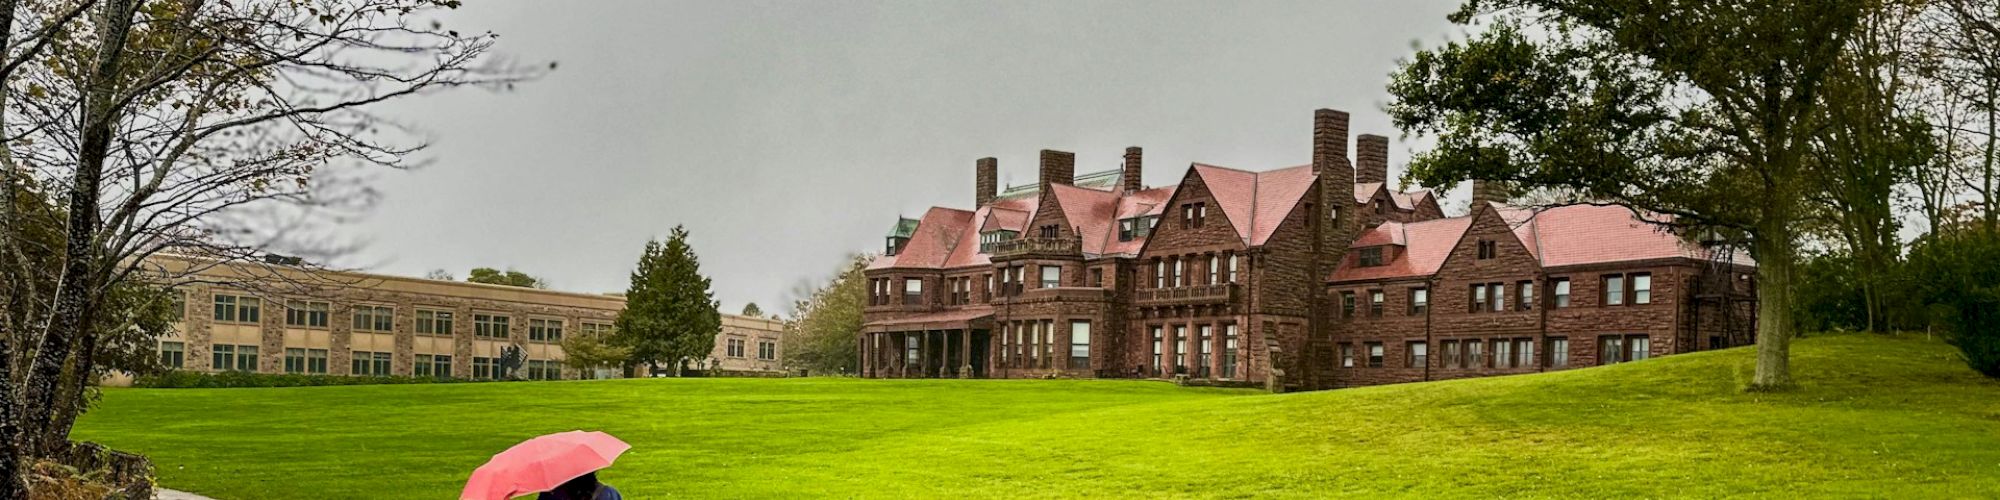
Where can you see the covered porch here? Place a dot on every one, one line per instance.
(948, 344)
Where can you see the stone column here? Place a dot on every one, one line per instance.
(965, 353)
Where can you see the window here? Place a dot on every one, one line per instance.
(990, 238)
(1642, 288)
(1180, 348)
(242, 358)
(1050, 231)
(733, 348)
(1097, 277)
(1079, 345)
(1560, 295)
(1204, 349)
(306, 313)
(1051, 276)
(1214, 269)
(1157, 344)
(1420, 301)
(173, 355)
(913, 291)
(540, 369)
(374, 319)
(1614, 290)
(1159, 273)
(1475, 354)
(1478, 297)
(545, 330)
(1127, 228)
(485, 368)
(1558, 351)
(1499, 301)
(1488, 249)
(1524, 295)
(1370, 257)
(237, 309)
(1229, 351)
(1374, 354)
(1346, 304)
(490, 326)
(1200, 213)
(370, 363)
(1503, 353)
(432, 365)
(1180, 272)
(295, 360)
(1641, 347)
(1418, 354)
(1524, 353)
(1232, 268)
(1610, 349)
(1375, 300)
(767, 350)
(436, 323)
(1451, 354)
(179, 299)
(1346, 355)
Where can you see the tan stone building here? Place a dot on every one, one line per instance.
(267, 318)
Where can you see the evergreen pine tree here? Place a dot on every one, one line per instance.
(670, 314)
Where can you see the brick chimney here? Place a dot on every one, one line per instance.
(1371, 158)
(1130, 179)
(1330, 141)
(988, 173)
(1484, 191)
(1058, 167)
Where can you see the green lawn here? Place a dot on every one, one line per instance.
(1876, 417)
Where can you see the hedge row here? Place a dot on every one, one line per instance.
(200, 380)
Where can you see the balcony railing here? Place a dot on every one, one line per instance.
(1056, 247)
(1197, 294)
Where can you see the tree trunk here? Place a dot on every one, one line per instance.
(1775, 262)
(76, 295)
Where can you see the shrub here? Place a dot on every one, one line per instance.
(1960, 283)
(199, 380)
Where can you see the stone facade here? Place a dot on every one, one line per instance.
(322, 319)
(1306, 277)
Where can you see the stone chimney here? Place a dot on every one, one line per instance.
(1330, 141)
(1058, 167)
(1371, 158)
(1338, 222)
(1484, 191)
(988, 174)
(1130, 179)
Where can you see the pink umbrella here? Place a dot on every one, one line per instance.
(541, 464)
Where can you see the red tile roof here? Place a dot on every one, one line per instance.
(1560, 236)
(1425, 244)
(956, 318)
(1256, 202)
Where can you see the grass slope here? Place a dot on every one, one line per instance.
(1876, 417)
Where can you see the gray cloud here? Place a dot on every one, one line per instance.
(788, 134)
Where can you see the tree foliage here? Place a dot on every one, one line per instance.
(588, 353)
(752, 310)
(1960, 284)
(509, 277)
(1701, 110)
(670, 313)
(821, 333)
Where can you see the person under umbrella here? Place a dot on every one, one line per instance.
(560, 466)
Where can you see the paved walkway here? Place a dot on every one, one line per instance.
(167, 494)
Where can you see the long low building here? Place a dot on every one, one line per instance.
(268, 317)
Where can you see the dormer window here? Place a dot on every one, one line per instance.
(1127, 229)
(990, 238)
(894, 245)
(1369, 257)
(899, 236)
(1136, 227)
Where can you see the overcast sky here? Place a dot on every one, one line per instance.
(786, 135)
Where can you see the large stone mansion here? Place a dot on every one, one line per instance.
(1308, 277)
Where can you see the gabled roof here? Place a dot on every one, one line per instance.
(1256, 202)
(1136, 204)
(999, 218)
(1560, 236)
(931, 241)
(1091, 213)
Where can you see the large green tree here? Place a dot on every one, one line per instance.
(670, 314)
(1697, 109)
(821, 334)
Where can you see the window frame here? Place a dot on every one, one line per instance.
(301, 313)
